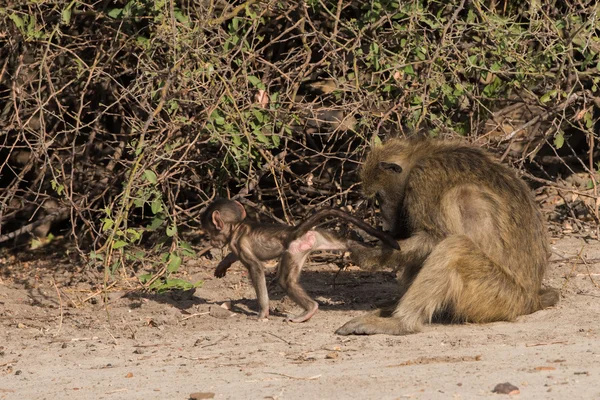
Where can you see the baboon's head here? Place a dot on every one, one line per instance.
(384, 175)
(220, 219)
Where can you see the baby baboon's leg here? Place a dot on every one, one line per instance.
(257, 275)
(290, 268)
(292, 262)
(456, 275)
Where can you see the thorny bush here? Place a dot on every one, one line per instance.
(120, 120)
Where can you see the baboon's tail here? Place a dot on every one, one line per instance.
(314, 219)
(548, 297)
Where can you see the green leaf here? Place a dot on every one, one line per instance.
(187, 249)
(181, 17)
(171, 231)
(119, 244)
(174, 263)
(409, 70)
(276, 140)
(216, 117)
(589, 123)
(259, 115)
(145, 278)
(547, 96)
(237, 140)
(66, 16)
(133, 234)
(261, 137)
(143, 41)
(156, 206)
(58, 187)
(256, 82)
(96, 256)
(115, 13)
(136, 255)
(156, 285)
(559, 140)
(150, 176)
(108, 224)
(139, 203)
(114, 266)
(17, 20)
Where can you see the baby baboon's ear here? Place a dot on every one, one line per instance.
(218, 221)
(242, 209)
(392, 167)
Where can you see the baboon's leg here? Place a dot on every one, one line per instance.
(455, 276)
(257, 275)
(292, 262)
(289, 271)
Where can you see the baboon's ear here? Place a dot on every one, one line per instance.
(387, 166)
(217, 220)
(241, 208)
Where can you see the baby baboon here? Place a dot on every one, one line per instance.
(252, 243)
(473, 242)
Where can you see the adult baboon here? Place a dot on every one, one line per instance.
(473, 242)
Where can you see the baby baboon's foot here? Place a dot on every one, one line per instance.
(263, 315)
(305, 316)
(373, 325)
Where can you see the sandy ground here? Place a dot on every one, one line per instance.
(159, 347)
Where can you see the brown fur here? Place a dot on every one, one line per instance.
(253, 243)
(474, 244)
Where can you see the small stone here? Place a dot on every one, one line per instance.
(219, 312)
(332, 355)
(18, 372)
(506, 388)
(64, 345)
(138, 351)
(202, 395)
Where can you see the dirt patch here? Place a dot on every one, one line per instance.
(168, 347)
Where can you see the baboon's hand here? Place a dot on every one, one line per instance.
(368, 258)
(221, 270)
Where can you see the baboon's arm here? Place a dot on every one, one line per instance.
(225, 264)
(414, 251)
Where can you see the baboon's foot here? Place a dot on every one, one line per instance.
(373, 325)
(263, 315)
(305, 316)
